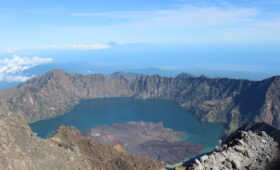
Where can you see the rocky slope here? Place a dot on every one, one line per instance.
(222, 100)
(252, 150)
(20, 149)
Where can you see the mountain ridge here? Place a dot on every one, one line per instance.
(223, 100)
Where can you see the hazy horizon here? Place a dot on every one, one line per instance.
(235, 39)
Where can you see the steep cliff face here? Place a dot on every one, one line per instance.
(56, 92)
(222, 100)
(67, 149)
(270, 111)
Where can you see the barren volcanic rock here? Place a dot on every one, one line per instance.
(146, 139)
(243, 150)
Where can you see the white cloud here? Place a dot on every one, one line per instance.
(10, 78)
(185, 23)
(60, 47)
(86, 46)
(11, 68)
(184, 17)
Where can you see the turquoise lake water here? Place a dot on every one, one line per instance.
(91, 113)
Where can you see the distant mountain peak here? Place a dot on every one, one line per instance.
(56, 72)
(126, 74)
(185, 75)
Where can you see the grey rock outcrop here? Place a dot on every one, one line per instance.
(259, 127)
(244, 150)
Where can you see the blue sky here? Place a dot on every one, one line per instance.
(37, 23)
(235, 35)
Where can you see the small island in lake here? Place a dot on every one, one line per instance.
(146, 139)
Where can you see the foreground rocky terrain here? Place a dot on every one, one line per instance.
(252, 150)
(146, 139)
(228, 101)
(67, 149)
